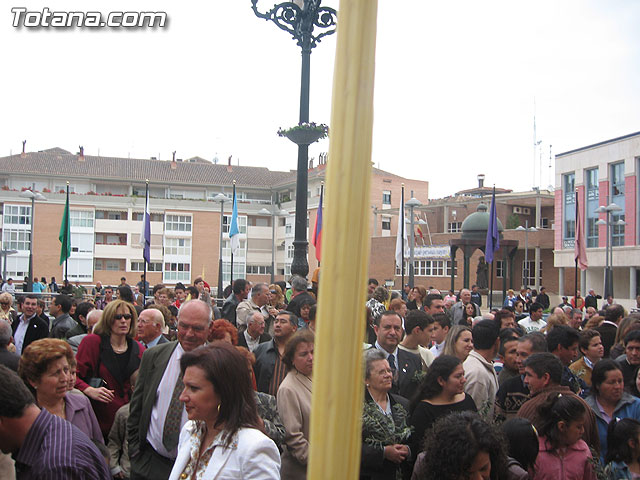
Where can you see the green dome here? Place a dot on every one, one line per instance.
(475, 226)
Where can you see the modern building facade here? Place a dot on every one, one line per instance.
(107, 204)
(604, 174)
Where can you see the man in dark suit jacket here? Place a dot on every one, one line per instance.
(7, 358)
(150, 327)
(240, 293)
(152, 455)
(254, 334)
(29, 326)
(405, 365)
(609, 327)
(591, 300)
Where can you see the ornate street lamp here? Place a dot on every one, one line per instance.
(608, 274)
(412, 203)
(299, 19)
(220, 198)
(525, 271)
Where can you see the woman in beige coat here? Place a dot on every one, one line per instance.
(294, 404)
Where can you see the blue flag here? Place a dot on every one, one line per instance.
(493, 235)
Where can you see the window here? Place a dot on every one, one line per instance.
(242, 223)
(151, 267)
(81, 218)
(177, 246)
(111, 238)
(617, 231)
(591, 203)
(454, 227)
(16, 239)
(177, 223)
(386, 197)
(429, 268)
(386, 223)
(17, 215)
(544, 222)
(258, 269)
(500, 268)
(154, 217)
(569, 210)
(528, 272)
(82, 243)
(290, 250)
(226, 250)
(617, 179)
(179, 272)
(592, 232)
(109, 264)
(63, 188)
(592, 184)
(109, 215)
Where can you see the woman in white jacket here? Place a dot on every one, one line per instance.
(223, 438)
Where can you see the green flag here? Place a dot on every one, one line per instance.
(65, 233)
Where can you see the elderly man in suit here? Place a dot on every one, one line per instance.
(29, 326)
(155, 419)
(254, 334)
(388, 328)
(150, 327)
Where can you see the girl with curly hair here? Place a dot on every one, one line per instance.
(462, 445)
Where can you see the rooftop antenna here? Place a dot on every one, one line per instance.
(536, 143)
(550, 171)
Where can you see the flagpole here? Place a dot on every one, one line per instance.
(575, 287)
(144, 261)
(491, 290)
(401, 220)
(66, 269)
(234, 203)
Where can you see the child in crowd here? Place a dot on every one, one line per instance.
(563, 454)
(522, 447)
(623, 449)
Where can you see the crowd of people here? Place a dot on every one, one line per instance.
(104, 382)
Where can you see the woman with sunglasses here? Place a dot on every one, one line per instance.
(107, 358)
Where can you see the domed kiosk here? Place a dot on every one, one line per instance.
(474, 236)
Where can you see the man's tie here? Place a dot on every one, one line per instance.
(392, 363)
(171, 432)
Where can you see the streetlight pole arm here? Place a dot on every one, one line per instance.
(299, 22)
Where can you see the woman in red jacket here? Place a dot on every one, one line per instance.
(107, 358)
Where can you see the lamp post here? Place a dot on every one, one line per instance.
(220, 198)
(525, 271)
(274, 215)
(33, 196)
(412, 203)
(299, 19)
(608, 252)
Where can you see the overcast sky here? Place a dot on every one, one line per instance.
(454, 96)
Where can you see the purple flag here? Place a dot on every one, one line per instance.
(493, 235)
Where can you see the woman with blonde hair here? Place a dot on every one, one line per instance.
(106, 360)
(458, 342)
(553, 321)
(276, 297)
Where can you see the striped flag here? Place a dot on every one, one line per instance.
(234, 232)
(580, 250)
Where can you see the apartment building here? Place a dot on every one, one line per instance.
(604, 174)
(107, 204)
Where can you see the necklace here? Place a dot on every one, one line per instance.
(119, 349)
